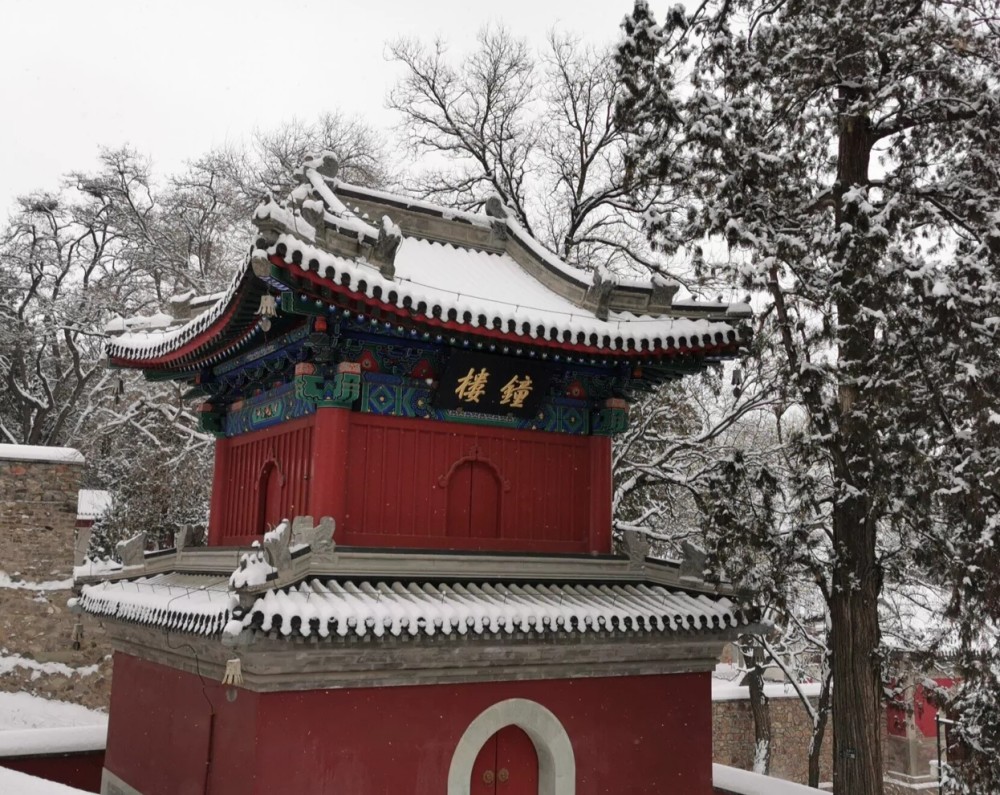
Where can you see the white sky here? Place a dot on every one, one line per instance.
(173, 78)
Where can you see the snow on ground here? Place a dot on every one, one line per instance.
(21, 784)
(743, 782)
(8, 662)
(23, 585)
(34, 725)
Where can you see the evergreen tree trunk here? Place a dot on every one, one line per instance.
(857, 752)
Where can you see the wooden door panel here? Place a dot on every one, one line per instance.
(484, 770)
(517, 763)
(484, 502)
(460, 502)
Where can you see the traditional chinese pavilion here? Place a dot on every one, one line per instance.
(408, 584)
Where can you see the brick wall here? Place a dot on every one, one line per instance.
(791, 731)
(37, 517)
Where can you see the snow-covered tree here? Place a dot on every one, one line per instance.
(851, 150)
(537, 131)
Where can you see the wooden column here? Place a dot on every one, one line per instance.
(328, 472)
(600, 494)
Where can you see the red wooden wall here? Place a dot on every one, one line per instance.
(417, 483)
(630, 735)
(391, 481)
(260, 478)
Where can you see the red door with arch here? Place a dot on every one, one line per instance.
(473, 501)
(507, 765)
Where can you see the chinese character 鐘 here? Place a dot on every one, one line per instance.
(515, 392)
(472, 385)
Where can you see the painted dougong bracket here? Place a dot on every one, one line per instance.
(339, 392)
(611, 418)
(212, 419)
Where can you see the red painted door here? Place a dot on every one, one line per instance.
(507, 765)
(473, 502)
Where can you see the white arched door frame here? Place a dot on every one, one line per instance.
(556, 763)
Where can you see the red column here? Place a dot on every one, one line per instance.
(328, 472)
(600, 494)
(220, 488)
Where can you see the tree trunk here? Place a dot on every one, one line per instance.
(819, 726)
(760, 707)
(856, 583)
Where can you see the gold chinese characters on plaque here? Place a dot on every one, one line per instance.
(492, 385)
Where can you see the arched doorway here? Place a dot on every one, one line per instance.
(499, 734)
(473, 501)
(507, 765)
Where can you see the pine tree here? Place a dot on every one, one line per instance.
(848, 155)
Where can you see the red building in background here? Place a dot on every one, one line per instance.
(443, 391)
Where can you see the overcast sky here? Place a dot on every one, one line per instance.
(174, 79)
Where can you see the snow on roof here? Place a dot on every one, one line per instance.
(478, 270)
(319, 607)
(140, 345)
(34, 452)
(743, 782)
(196, 603)
(92, 503)
(495, 291)
(33, 725)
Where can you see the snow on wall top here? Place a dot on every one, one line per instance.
(34, 725)
(35, 452)
(743, 782)
(328, 608)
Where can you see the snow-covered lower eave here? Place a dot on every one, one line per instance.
(328, 608)
(34, 452)
(332, 608)
(492, 292)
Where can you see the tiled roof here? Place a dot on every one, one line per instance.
(195, 603)
(136, 346)
(488, 290)
(328, 608)
(480, 273)
(92, 503)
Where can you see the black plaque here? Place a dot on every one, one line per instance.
(492, 385)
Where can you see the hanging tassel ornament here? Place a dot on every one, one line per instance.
(268, 308)
(77, 635)
(234, 673)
